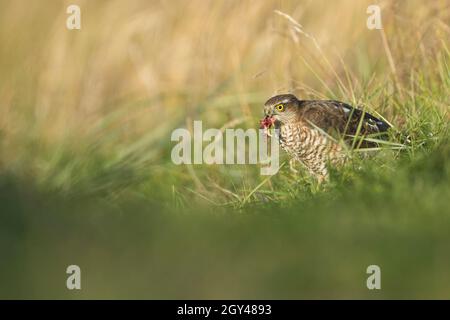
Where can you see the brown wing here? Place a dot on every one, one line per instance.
(338, 118)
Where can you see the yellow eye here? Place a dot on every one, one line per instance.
(279, 107)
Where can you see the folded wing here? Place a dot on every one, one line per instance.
(340, 119)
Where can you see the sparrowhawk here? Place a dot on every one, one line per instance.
(310, 130)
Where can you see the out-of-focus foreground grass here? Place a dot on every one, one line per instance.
(85, 170)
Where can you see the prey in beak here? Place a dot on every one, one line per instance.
(266, 124)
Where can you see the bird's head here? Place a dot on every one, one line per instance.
(280, 109)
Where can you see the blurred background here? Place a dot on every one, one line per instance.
(85, 170)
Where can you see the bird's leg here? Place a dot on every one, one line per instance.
(291, 166)
(321, 173)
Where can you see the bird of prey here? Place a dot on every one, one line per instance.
(310, 130)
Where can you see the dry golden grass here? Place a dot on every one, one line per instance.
(137, 70)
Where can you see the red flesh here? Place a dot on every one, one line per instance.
(266, 123)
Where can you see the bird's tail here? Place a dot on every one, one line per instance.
(381, 125)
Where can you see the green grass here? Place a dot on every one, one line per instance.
(316, 246)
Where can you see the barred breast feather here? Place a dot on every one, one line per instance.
(310, 147)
